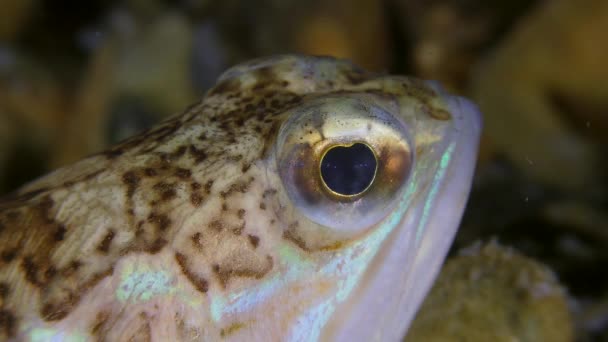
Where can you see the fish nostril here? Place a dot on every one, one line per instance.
(348, 170)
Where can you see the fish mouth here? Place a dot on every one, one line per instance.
(397, 280)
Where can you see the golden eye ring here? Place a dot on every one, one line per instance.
(350, 165)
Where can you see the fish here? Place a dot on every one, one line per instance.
(302, 198)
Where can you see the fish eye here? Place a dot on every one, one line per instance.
(348, 170)
(343, 161)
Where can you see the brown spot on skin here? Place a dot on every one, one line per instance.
(265, 76)
(231, 329)
(180, 151)
(131, 180)
(72, 268)
(238, 230)
(196, 240)
(7, 323)
(291, 235)
(9, 255)
(199, 155)
(183, 173)
(50, 272)
(30, 271)
(54, 312)
(195, 186)
(274, 103)
(224, 206)
(139, 230)
(150, 172)
(208, 186)
(225, 125)
(417, 88)
(4, 290)
(100, 321)
(168, 194)
(217, 271)
(262, 205)
(196, 199)
(241, 187)
(60, 233)
(216, 225)
(161, 221)
(436, 113)
(240, 213)
(254, 240)
(224, 274)
(166, 191)
(104, 245)
(199, 283)
(72, 298)
(157, 245)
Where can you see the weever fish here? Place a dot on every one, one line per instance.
(301, 199)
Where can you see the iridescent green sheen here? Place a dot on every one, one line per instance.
(439, 178)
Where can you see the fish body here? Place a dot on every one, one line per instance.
(236, 220)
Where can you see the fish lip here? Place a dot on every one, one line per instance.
(392, 324)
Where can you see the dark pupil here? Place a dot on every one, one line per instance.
(348, 170)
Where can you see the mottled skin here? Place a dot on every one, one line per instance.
(155, 238)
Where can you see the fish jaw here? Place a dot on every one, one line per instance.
(388, 297)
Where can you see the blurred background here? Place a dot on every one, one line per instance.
(77, 76)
